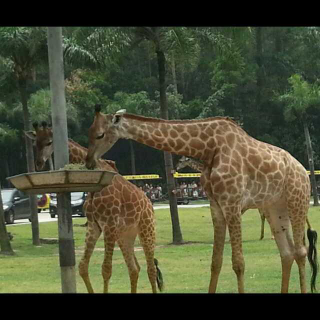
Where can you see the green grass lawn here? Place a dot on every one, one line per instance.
(185, 268)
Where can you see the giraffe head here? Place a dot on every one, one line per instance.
(183, 162)
(103, 134)
(43, 138)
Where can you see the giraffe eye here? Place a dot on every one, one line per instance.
(100, 137)
(49, 143)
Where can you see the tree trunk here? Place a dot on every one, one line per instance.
(311, 164)
(174, 75)
(259, 76)
(5, 245)
(176, 231)
(133, 158)
(61, 158)
(30, 161)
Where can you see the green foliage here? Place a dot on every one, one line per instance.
(299, 98)
(210, 71)
(138, 103)
(8, 136)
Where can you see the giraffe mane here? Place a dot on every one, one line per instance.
(150, 119)
(78, 145)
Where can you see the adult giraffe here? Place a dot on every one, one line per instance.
(120, 211)
(239, 173)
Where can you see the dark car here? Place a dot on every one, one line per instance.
(77, 201)
(16, 205)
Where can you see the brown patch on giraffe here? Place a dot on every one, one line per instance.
(265, 167)
(193, 130)
(185, 136)
(157, 133)
(173, 134)
(134, 197)
(231, 138)
(209, 131)
(178, 128)
(179, 144)
(150, 142)
(219, 188)
(197, 144)
(172, 143)
(203, 136)
(225, 158)
(277, 176)
(210, 144)
(164, 130)
(129, 206)
(233, 171)
(109, 204)
(199, 155)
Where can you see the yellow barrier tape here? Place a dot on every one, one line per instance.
(187, 175)
(317, 172)
(142, 177)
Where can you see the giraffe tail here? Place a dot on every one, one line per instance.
(312, 256)
(160, 282)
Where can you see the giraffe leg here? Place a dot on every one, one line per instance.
(266, 214)
(126, 244)
(235, 232)
(280, 224)
(109, 244)
(263, 218)
(219, 225)
(147, 239)
(93, 234)
(300, 251)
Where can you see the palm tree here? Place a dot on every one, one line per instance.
(157, 37)
(298, 99)
(25, 48)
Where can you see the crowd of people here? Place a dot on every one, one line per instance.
(153, 192)
(190, 190)
(183, 190)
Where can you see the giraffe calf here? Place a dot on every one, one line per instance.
(120, 211)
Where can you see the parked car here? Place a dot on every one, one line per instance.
(43, 201)
(77, 201)
(16, 205)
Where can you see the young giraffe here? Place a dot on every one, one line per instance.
(198, 166)
(239, 173)
(119, 211)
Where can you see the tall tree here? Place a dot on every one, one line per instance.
(156, 36)
(61, 155)
(298, 99)
(25, 47)
(5, 245)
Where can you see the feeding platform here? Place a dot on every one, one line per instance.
(62, 181)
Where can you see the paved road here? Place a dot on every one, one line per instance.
(44, 216)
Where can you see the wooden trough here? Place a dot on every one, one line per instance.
(62, 181)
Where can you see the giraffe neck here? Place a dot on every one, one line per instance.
(78, 153)
(196, 165)
(192, 138)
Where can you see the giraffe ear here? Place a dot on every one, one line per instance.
(30, 134)
(118, 115)
(116, 118)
